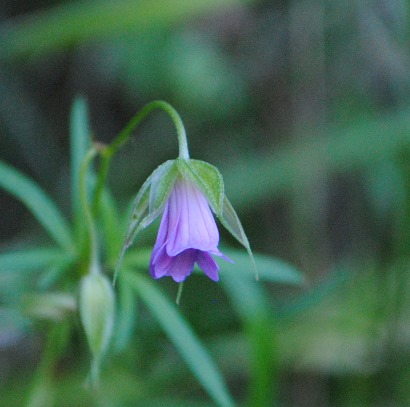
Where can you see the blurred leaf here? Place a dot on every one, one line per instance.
(52, 275)
(74, 22)
(221, 92)
(331, 151)
(43, 392)
(346, 325)
(188, 345)
(269, 268)
(126, 318)
(39, 204)
(79, 145)
(53, 306)
(32, 259)
(250, 300)
(112, 225)
(175, 403)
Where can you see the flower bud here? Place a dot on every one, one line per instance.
(97, 308)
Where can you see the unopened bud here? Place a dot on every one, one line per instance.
(97, 309)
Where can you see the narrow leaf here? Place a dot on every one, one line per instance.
(126, 315)
(32, 259)
(250, 300)
(112, 225)
(70, 23)
(39, 204)
(180, 333)
(208, 178)
(79, 145)
(269, 268)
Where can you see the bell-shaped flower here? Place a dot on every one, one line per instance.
(187, 235)
(186, 191)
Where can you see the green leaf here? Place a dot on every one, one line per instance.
(188, 345)
(138, 258)
(250, 300)
(39, 204)
(79, 145)
(53, 306)
(52, 275)
(32, 259)
(112, 225)
(208, 179)
(72, 22)
(126, 315)
(269, 268)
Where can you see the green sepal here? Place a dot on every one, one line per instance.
(208, 179)
(149, 203)
(151, 199)
(163, 180)
(231, 222)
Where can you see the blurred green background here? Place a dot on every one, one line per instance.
(304, 106)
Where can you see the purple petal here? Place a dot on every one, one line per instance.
(191, 219)
(182, 265)
(160, 263)
(208, 265)
(162, 232)
(216, 252)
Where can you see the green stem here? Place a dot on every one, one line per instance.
(179, 294)
(92, 233)
(108, 151)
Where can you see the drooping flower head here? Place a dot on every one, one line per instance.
(186, 191)
(187, 235)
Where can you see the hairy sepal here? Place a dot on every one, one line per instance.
(208, 179)
(149, 203)
(233, 225)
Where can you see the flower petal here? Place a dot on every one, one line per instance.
(160, 263)
(191, 219)
(208, 265)
(182, 265)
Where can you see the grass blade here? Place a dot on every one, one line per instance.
(250, 300)
(38, 203)
(269, 268)
(79, 145)
(32, 259)
(71, 23)
(188, 345)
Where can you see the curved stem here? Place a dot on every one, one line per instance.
(108, 151)
(92, 233)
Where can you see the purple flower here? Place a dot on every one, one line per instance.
(187, 235)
